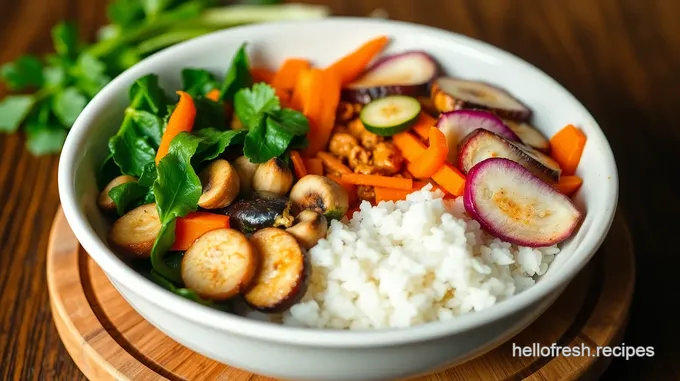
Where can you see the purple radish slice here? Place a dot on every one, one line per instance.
(451, 94)
(529, 135)
(407, 73)
(458, 124)
(512, 204)
(483, 144)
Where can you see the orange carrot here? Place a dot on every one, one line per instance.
(261, 74)
(566, 148)
(181, 120)
(448, 176)
(568, 184)
(349, 188)
(429, 162)
(423, 124)
(298, 164)
(287, 75)
(390, 194)
(213, 95)
(378, 181)
(320, 103)
(333, 163)
(195, 224)
(314, 166)
(451, 179)
(299, 90)
(350, 66)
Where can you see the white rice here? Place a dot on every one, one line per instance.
(410, 262)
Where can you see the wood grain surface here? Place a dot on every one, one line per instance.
(109, 340)
(620, 58)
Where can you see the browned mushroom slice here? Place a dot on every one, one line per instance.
(219, 264)
(105, 202)
(220, 185)
(282, 278)
(274, 176)
(309, 228)
(135, 232)
(246, 170)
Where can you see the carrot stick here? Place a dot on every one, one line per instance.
(287, 75)
(314, 166)
(350, 66)
(448, 177)
(566, 148)
(568, 184)
(423, 124)
(299, 91)
(298, 164)
(213, 95)
(390, 194)
(429, 162)
(334, 164)
(319, 106)
(181, 120)
(195, 224)
(261, 74)
(349, 188)
(378, 181)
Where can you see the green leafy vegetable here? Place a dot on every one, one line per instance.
(130, 195)
(209, 114)
(198, 82)
(213, 142)
(68, 79)
(271, 130)
(176, 190)
(148, 125)
(187, 293)
(13, 110)
(238, 76)
(23, 73)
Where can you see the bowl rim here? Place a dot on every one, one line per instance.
(120, 272)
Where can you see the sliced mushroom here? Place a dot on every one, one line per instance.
(246, 170)
(221, 185)
(282, 277)
(309, 228)
(274, 176)
(322, 195)
(105, 202)
(135, 232)
(219, 264)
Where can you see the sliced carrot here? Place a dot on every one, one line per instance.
(194, 225)
(261, 74)
(350, 66)
(349, 188)
(298, 164)
(568, 184)
(429, 162)
(390, 194)
(299, 91)
(181, 120)
(423, 124)
(213, 95)
(333, 163)
(287, 75)
(378, 181)
(320, 103)
(566, 147)
(448, 176)
(314, 166)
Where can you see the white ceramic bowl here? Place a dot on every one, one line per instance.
(309, 354)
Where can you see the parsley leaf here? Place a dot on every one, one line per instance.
(209, 114)
(250, 102)
(23, 73)
(65, 39)
(68, 104)
(238, 76)
(213, 143)
(13, 110)
(43, 139)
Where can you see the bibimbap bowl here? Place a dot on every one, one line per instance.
(516, 284)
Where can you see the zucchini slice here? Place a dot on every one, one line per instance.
(390, 115)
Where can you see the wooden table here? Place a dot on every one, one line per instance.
(620, 58)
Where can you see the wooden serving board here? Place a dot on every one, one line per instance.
(108, 340)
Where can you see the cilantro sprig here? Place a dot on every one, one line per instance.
(51, 91)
